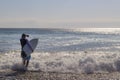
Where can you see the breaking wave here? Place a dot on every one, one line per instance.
(75, 62)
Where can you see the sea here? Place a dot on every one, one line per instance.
(75, 50)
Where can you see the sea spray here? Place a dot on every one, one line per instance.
(77, 62)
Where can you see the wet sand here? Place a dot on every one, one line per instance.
(40, 75)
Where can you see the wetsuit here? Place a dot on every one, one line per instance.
(23, 54)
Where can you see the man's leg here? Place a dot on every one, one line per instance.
(23, 62)
(27, 63)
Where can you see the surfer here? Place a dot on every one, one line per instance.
(25, 58)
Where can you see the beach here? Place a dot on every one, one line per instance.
(40, 75)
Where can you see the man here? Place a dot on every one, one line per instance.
(25, 58)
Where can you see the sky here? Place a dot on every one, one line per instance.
(59, 13)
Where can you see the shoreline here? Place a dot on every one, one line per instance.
(41, 75)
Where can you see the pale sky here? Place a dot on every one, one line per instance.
(59, 13)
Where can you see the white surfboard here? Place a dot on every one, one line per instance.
(27, 48)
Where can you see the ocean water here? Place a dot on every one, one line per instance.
(84, 50)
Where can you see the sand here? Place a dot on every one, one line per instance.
(41, 75)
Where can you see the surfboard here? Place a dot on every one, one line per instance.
(33, 44)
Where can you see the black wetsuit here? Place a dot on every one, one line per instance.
(23, 42)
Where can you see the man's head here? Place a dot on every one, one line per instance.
(24, 35)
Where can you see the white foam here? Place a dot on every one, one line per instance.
(76, 62)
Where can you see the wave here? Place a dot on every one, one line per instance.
(97, 30)
(75, 62)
